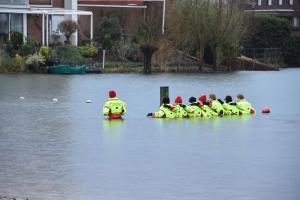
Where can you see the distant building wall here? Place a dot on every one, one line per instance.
(34, 27)
(288, 8)
(129, 17)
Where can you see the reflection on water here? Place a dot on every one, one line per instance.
(67, 150)
(113, 127)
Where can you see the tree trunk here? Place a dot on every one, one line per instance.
(210, 56)
(67, 42)
(148, 52)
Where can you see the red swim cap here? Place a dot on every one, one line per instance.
(178, 99)
(112, 94)
(202, 98)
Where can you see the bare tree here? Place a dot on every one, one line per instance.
(149, 34)
(207, 29)
(68, 27)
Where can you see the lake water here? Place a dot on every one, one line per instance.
(67, 150)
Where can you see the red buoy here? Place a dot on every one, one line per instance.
(266, 110)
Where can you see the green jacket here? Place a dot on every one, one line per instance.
(230, 109)
(165, 111)
(114, 106)
(209, 112)
(193, 110)
(217, 107)
(244, 106)
(180, 111)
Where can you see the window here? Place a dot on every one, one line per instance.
(14, 2)
(295, 21)
(16, 22)
(10, 22)
(56, 19)
(280, 2)
(291, 2)
(259, 2)
(40, 3)
(3, 27)
(269, 2)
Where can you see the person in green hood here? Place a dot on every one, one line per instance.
(179, 108)
(230, 108)
(244, 106)
(204, 105)
(215, 105)
(193, 109)
(166, 110)
(114, 108)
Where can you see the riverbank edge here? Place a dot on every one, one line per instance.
(170, 69)
(118, 70)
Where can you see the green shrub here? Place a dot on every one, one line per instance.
(268, 31)
(3, 56)
(88, 51)
(19, 63)
(45, 52)
(3, 59)
(127, 49)
(16, 40)
(36, 63)
(291, 52)
(27, 49)
(35, 60)
(109, 32)
(8, 64)
(69, 55)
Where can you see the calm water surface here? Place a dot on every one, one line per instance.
(66, 150)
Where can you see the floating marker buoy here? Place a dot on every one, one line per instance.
(88, 101)
(22, 97)
(55, 100)
(266, 110)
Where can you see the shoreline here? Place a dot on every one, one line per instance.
(168, 69)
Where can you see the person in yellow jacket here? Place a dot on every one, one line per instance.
(114, 108)
(166, 110)
(179, 108)
(193, 109)
(230, 108)
(244, 106)
(215, 105)
(204, 105)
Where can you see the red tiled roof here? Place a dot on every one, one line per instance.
(111, 2)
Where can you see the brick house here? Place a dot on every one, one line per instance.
(288, 8)
(129, 12)
(38, 19)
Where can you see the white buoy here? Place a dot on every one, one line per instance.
(22, 98)
(88, 101)
(55, 100)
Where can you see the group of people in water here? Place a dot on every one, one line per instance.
(203, 107)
